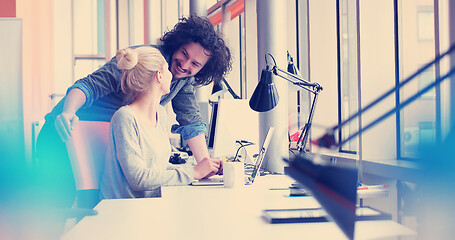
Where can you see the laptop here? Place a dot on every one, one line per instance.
(249, 178)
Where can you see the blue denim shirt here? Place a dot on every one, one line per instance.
(104, 96)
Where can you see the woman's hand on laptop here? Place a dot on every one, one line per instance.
(206, 168)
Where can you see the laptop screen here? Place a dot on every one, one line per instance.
(257, 165)
(262, 153)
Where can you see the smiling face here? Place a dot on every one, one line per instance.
(188, 60)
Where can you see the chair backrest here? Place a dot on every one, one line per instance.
(87, 153)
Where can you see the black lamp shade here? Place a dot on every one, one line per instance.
(218, 90)
(218, 87)
(293, 69)
(265, 96)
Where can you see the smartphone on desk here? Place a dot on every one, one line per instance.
(297, 189)
(318, 215)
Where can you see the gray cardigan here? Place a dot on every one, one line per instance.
(137, 162)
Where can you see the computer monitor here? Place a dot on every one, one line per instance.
(212, 125)
(234, 121)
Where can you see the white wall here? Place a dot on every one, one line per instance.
(155, 30)
(12, 143)
(123, 33)
(170, 14)
(63, 51)
(136, 22)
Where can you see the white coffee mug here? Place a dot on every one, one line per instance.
(234, 174)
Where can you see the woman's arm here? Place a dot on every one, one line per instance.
(200, 152)
(129, 154)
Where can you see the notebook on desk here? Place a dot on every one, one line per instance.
(249, 179)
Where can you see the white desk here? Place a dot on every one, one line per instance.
(214, 212)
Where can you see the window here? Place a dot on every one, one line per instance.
(426, 78)
(234, 36)
(416, 48)
(425, 23)
(377, 74)
(91, 36)
(348, 48)
(373, 58)
(322, 51)
(228, 17)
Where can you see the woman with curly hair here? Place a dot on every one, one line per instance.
(196, 55)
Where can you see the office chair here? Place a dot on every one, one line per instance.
(87, 153)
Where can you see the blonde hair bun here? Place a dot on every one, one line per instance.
(127, 58)
(139, 67)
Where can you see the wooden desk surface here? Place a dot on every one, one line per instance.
(215, 212)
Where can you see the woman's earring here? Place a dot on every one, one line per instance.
(158, 76)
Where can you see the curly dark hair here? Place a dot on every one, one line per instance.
(200, 30)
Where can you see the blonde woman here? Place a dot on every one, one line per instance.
(137, 163)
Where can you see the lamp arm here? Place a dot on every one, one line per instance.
(234, 95)
(314, 88)
(301, 143)
(301, 82)
(303, 86)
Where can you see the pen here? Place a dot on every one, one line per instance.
(385, 186)
(279, 188)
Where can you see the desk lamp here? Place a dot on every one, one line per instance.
(265, 96)
(335, 187)
(220, 88)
